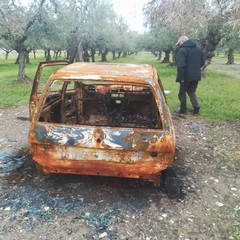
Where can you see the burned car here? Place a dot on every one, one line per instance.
(101, 119)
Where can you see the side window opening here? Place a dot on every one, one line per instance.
(51, 110)
(112, 105)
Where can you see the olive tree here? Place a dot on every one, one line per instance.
(100, 28)
(90, 27)
(6, 46)
(231, 38)
(203, 20)
(15, 23)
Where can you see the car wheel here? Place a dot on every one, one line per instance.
(170, 183)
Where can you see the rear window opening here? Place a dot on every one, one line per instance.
(101, 104)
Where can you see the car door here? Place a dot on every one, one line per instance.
(36, 89)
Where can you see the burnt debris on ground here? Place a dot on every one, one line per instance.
(61, 206)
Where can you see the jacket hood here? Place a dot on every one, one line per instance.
(189, 43)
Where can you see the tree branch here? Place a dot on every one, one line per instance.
(36, 16)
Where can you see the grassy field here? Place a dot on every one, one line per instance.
(218, 93)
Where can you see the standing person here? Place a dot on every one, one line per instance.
(189, 62)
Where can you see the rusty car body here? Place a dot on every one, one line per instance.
(101, 119)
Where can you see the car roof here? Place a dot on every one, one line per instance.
(120, 72)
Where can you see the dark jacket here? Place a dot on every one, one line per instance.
(189, 62)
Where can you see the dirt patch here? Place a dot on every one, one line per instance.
(61, 206)
(222, 67)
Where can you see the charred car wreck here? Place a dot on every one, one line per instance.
(101, 119)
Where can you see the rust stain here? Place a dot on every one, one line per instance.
(106, 119)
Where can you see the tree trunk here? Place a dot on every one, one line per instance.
(104, 55)
(48, 54)
(93, 52)
(209, 44)
(124, 54)
(57, 54)
(7, 54)
(86, 57)
(159, 55)
(27, 58)
(166, 57)
(68, 54)
(119, 54)
(72, 53)
(34, 54)
(21, 66)
(230, 56)
(79, 54)
(17, 60)
(114, 55)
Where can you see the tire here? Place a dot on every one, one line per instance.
(170, 183)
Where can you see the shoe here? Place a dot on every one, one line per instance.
(179, 111)
(196, 110)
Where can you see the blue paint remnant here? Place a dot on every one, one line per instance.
(41, 133)
(126, 139)
(118, 136)
(71, 141)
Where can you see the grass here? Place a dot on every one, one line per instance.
(218, 93)
(220, 96)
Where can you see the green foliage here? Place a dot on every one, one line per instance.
(218, 93)
(236, 234)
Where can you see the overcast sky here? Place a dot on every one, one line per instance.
(131, 11)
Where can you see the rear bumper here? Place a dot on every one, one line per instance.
(102, 162)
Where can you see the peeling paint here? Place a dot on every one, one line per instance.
(105, 119)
